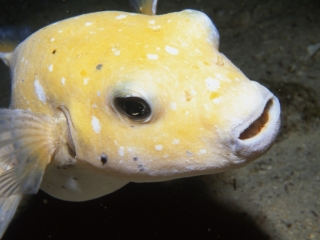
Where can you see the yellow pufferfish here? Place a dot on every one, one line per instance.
(108, 98)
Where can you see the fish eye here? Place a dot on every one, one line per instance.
(135, 108)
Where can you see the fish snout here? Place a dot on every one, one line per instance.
(256, 134)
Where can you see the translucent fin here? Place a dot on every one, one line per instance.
(26, 147)
(5, 57)
(147, 7)
(8, 207)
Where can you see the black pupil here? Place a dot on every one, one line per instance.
(134, 107)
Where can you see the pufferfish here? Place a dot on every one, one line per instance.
(108, 98)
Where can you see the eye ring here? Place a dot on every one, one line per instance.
(132, 107)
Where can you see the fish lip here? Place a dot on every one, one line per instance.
(252, 143)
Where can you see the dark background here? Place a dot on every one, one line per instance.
(185, 208)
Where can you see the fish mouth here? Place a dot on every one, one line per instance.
(255, 137)
(259, 125)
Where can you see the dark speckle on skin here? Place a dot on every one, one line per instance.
(63, 186)
(54, 51)
(140, 168)
(103, 159)
(99, 66)
(135, 158)
(189, 153)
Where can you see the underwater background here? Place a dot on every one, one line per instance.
(276, 197)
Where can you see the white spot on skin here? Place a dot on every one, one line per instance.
(73, 184)
(121, 151)
(88, 24)
(203, 151)
(85, 81)
(94, 106)
(63, 81)
(152, 21)
(98, 94)
(130, 149)
(212, 84)
(154, 27)
(171, 50)
(158, 147)
(115, 51)
(221, 77)
(173, 106)
(50, 68)
(217, 100)
(52, 40)
(176, 141)
(121, 16)
(152, 56)
(60, 31)
(95, 124)
(40, 91)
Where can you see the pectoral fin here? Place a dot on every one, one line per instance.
(8, 207)
(27, 144)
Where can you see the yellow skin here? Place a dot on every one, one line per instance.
(197, 96)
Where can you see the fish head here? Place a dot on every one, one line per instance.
(170, 105)
(149, 98)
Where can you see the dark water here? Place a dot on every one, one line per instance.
(174, 210)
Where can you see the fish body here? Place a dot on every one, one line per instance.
(108, 98)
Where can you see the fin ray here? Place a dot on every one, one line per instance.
(27, 143)
(8, 207)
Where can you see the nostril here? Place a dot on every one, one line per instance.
(255, 128)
